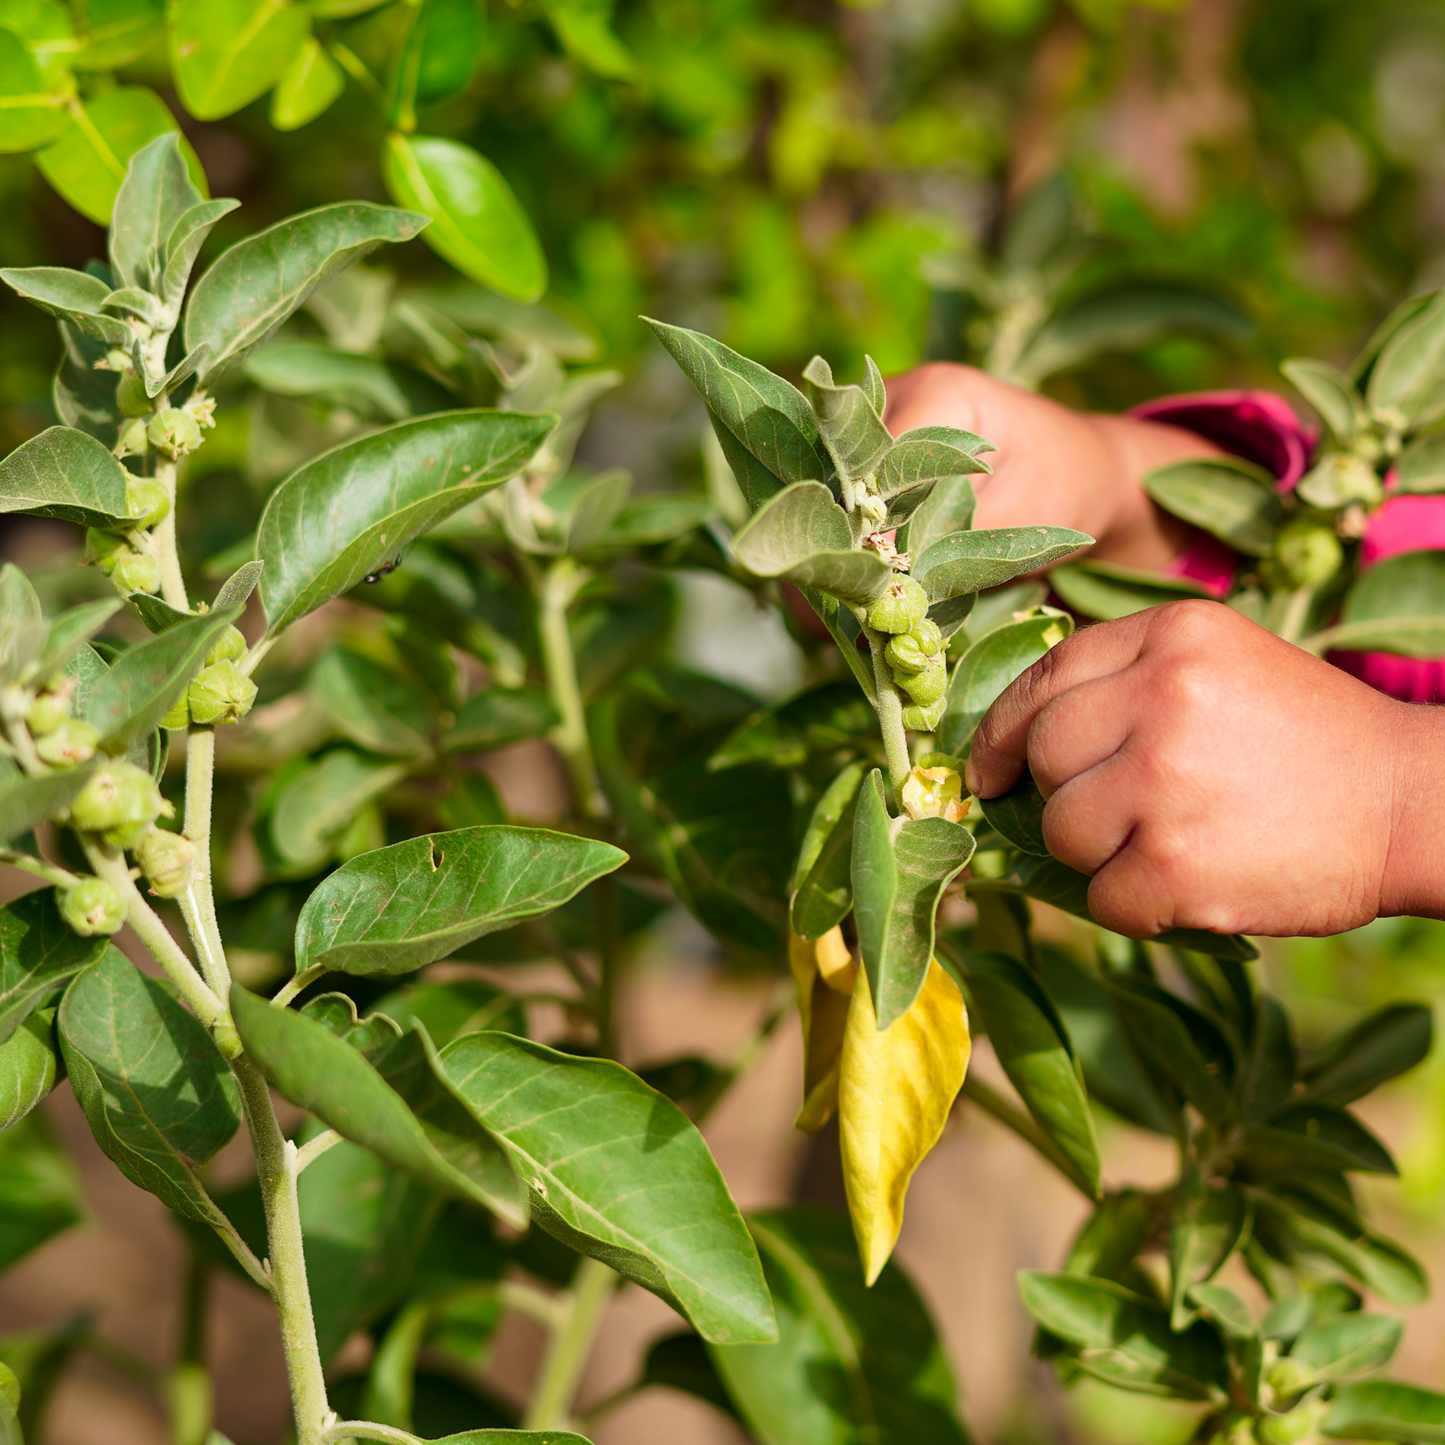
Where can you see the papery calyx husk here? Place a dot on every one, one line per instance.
(92, 906)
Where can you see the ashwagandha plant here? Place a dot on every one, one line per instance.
(329, 811)
(1172, 1035)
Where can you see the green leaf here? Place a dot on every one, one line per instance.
(1268, 1076)
(437, 59)
(1359, 1059)
(39, 953)
(1398, 606)
(370, 704)
(965, 562)
(307, 87)
(1032, 1045)
(1125, 1340)
(933, 454)
(1056, 883)
(1313, 1136)
(225, 53)
(249, 290)
(1097, 589)
(754, 480)
(183, 245)
(238, 586)
(136, 693)
(1330, 392)
(1018, 815)
(156, 193)
(39, 1189)
(988, 667)
(342, 516)
(27, 1066)
(1351, 1345)
(33, 116)
(1232, 499)
(1422, 637)
(618, 1172)
(1421, 466)
(848, 425)
(450, 1009)
(851, 1363)
(331, 1079)
(803, 536)
(948, 507)
(304, 368)
(595, 508)
(822, 720)
(1407, 382)
(400, 908)
(478, 224)
(155, 1090)
(1387, 1410)
(900, 867)
(25, 802)
(1208, 1226)
(114, 32)
(582, 26)
(822, 889)
(768, 416)
(315, 804)
(87, 162)
(84, 397)
(497, 716)
(1224, 1310)
(67, 474)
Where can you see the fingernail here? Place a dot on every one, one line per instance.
(971, 779)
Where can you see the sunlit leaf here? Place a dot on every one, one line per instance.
(225, 53)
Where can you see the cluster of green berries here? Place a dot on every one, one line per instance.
(220, 692)
(915, 652)
(171, 430)
(61, 740)
(115, 553)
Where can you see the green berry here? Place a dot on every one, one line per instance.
(912, 652)
(925, 719)
(115, 800)
(136, 573)
(48, 711)
(927, 686)
(133, 441)
(105, 549)
(130, 396)
(901, 608)
(93, 906)
(229, 647)
(1300, 1425)
(148, 500)
(180, 714)
(71, 743)
(1308, 552)
(221, 693)
(166, 859)
(174, 431)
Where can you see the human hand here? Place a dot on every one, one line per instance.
(1209, 775)
(1054, 466)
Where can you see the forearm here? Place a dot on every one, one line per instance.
(1414, 871)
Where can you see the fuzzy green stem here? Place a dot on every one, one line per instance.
(1292, 624)
(276, 1174)
(890, 714)
(345, 1430)
(550, 1407)
(198, 902)
(607, 933)
(163, 538)
(556, 589)
(28, 863)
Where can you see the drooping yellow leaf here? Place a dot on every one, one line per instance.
(895, 1088)
(823, 973)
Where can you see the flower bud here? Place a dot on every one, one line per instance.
(93, 906)
(105, 549)
(221, 693)
(912, 652)
(71, 743)
(927, 686)
(1308, 552)
(873, 508)
(180, 714)
(147, 500)
(901, 608)
(49, 709)
(116, 799)
(1287, 1377)
(230, 646)
(919, 719)
(935, 793)
(166, 859)
(133, 441)
(130, 396)
(136, 573)
(174, 431)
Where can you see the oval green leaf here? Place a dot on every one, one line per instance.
(1232, 499)
(225, 53)
(67, 474)
(965, 562)
(39, 952)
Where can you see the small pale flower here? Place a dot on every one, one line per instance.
(935, 793)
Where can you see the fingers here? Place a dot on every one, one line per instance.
(1090, 819)
(1001, 743)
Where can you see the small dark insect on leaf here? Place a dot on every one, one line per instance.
(383, 570)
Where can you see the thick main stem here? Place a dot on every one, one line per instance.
(890, 715)
(551, 1405)
(275, 1172)
(163, 537)
(559, 585)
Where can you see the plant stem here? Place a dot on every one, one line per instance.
(890, 715)
(556, 589)
(607, 934)
(1296, 613)
(163, 536)
(198, 902)
(276, 1173)
(366, 1430)
(309, 1152)
(551, 1405)
(294, 986)
(1012, 1117)
(28, 863)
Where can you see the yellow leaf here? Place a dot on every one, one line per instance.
(823, 973)
(895, 1088)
